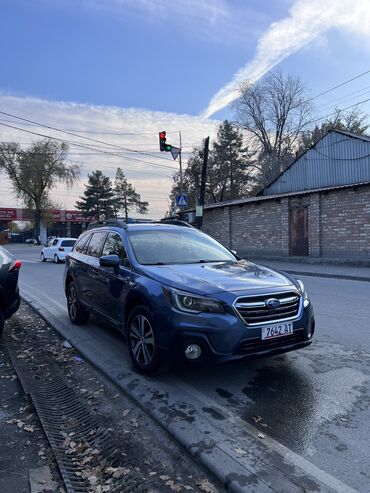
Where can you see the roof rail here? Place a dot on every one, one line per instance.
(118, 223)
(176, 222)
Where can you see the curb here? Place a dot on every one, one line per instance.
(266, 467)
(216, 461)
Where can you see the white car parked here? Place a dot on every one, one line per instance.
(57, 249)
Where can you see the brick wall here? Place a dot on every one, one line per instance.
(345, 217)
(339, 224)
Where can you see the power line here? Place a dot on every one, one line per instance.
(98, 132)
(84, 146)
(80, 136)
(338, 85)
(340, 110)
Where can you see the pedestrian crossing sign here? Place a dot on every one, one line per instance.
(182, 200)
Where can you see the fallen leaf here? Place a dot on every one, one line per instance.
(125, 412)
(261, 435)
(206, 486)
(240, 451)
(164, 477)
(29, 428)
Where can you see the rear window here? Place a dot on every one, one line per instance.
(68, 243)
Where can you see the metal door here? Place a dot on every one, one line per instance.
(299, 231)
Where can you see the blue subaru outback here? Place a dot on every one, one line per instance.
(176, 293)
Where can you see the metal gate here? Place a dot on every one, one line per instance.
(299, 244)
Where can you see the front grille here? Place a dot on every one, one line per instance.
(254, 310)
(251, 346)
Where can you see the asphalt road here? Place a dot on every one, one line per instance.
(305, 414)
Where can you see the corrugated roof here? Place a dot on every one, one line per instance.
(279, 196)
(338, 158)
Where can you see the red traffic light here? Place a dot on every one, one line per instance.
(162, 135)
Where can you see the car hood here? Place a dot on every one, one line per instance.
(216, 277)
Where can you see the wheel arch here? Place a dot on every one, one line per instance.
(133, 300)
(68, 280)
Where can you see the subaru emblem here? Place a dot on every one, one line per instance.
(272, 303)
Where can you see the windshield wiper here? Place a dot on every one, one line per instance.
(156, 263)
(206, 261)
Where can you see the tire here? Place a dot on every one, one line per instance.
(141, 340)
(2, 322)
(77, 314)
(56, 259)
(43, 259)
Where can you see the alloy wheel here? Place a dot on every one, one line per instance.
(142, 340)
(72, 302)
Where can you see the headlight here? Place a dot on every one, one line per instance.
(306, 300)
(187, 302)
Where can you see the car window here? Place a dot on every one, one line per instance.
(95, 244)
(114, 246)
(81, 244)
(55, 242)
(68, 243)
(177, 246)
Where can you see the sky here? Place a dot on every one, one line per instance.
(119, 71)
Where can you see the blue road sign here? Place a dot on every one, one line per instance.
(182, 200)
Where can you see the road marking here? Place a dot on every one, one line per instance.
(308, 467)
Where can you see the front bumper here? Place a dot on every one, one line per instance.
(234, 341)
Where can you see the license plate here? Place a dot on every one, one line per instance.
(274, 331)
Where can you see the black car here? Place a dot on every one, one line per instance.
(176, 293)
(9, 292)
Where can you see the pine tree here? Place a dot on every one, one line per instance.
(126, 196)
(230, 173)
(98, 200)
(231, 170)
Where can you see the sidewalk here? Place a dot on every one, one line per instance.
(352, 273)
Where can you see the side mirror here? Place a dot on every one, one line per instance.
(110, 261)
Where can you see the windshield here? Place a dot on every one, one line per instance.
(177, 246)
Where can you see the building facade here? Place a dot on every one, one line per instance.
(319, 207)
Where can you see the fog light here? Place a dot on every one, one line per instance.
(309, 334)
(193, 351)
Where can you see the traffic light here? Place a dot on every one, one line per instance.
(162, 142)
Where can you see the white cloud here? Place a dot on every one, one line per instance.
(218, 21)
(306, 21)
(153, 183)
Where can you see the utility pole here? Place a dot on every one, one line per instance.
(203, 182)
(181, 182)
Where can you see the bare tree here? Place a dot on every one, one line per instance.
(274, 112)
(35, 171)
(354, 121)
(230, 171)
